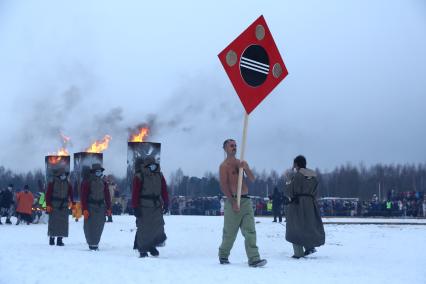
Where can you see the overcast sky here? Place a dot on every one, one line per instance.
(356, 89)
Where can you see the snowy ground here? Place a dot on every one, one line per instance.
(352, 254)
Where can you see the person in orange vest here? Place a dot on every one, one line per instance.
(24, 200)
(76, 211)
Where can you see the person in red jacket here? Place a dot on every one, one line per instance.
(95, 201)
(150, 201)
(58, 196)
(24, 201)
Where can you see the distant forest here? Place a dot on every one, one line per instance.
(344, 181)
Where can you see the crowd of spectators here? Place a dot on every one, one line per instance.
(394, 204)
(402, 204)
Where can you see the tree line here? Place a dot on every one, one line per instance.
(344, 181)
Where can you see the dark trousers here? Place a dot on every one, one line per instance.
(24, 217)
(278, 214)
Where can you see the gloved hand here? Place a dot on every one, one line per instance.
(109, 212)
(137, 212)
(49, 209)
(165, 209)
(86, 214)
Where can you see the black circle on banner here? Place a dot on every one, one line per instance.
(254, 65)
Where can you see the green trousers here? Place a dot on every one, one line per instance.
(243, 220)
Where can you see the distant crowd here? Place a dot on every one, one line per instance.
(29, 207)
(402, 204)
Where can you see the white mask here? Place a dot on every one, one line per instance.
(153, 167)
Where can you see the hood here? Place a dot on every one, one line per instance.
(308, 172)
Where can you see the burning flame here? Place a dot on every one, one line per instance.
(57, 157)
(99, 146)
(140, 136)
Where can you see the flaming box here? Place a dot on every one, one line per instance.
(54, 162)
(83, 162)
(136, 152)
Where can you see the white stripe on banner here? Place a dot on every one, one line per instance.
(255, 66)
(255, 62)
(254, 69)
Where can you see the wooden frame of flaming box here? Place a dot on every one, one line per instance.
(54, 162)
(136, 152)
(83, 162)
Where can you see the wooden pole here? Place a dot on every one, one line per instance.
(243, 148)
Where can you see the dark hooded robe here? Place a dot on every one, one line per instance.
(303, 220)
(148, 200)
(96, 200)
(58, 195)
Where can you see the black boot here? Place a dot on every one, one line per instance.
(94, 248)
(52, 241)
(1, 222)
(224, 260)
(258, 263)
(109, 219)
(310, 251)
(8, 221)
(154, 252)
(59, 242)
(143, 254)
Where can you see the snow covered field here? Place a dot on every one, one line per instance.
(352, 254)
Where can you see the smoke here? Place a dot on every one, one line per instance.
(74, 112)
(197, 103)
(46, 117)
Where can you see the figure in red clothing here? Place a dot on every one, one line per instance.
(150, 201)
(58, 196)
(95, 201)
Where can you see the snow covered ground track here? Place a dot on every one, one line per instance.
(390, 253)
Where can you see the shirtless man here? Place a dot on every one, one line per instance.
(237, 217)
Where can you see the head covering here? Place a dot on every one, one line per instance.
(96, 167)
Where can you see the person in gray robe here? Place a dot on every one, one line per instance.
(149, 201)
(58, 199)
(95, 203)
(304, 227)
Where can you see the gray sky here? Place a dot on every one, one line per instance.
(356, 89)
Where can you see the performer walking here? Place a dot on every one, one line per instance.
(237, 217)
(94, 200)
(58, 195)
(149, 201)
(304, 228)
